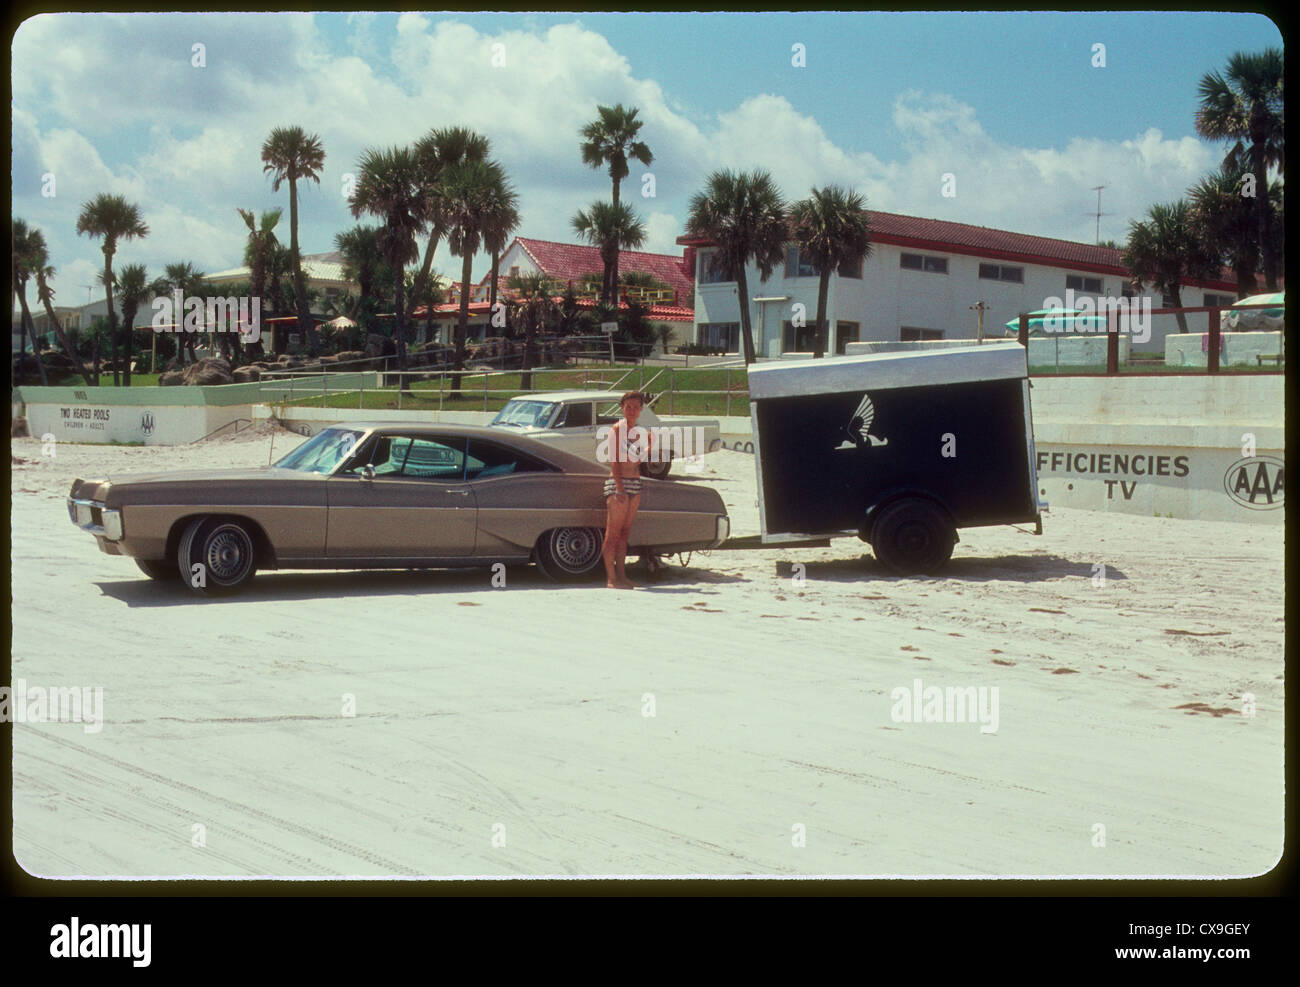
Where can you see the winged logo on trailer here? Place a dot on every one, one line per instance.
(858, 430)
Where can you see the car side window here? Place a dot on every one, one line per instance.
(487, 459)
(575, 416)
(431, 459)
(407, 457)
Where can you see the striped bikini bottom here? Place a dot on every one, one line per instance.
(631, 486)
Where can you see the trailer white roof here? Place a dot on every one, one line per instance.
(883, 371)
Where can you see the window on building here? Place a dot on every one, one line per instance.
(845, 333)
(1087, 286)
(514, 270)
(913, 334)
(798, 339)
(1002, 272)
(723, 336)
(851, 269)
(708, 275)
(797, 264)
(923, 262)
(1168, 301)
(1219, 301)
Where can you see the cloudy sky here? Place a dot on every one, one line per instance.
(1011, 105)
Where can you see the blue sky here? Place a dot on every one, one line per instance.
(1009, 103)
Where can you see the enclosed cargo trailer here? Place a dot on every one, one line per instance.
(901, 449)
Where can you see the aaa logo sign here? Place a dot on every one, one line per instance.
(1256, 482)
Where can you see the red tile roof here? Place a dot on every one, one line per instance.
(984, 241)
(571, 261)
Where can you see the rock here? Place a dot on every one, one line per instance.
(207, 372)
(171, 378)
(246, 375)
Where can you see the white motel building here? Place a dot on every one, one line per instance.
(923, 280)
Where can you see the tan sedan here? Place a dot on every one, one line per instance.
(363, 496)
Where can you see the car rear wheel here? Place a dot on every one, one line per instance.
(912, 536)
(216, 555)
(571, 554)
(657, 471)
(160, 569)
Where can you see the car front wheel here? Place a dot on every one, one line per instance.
(571, 554)
(216, 555)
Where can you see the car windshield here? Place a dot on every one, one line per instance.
(525, 414)
(322, 452)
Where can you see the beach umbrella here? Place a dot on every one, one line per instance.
(1059, 320)
(1257, 318)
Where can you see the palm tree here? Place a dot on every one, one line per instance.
(292, 155)
(1245, 107)
(43, 271)
(1164, 251)
(744, 214)
(134, 291)
(609, 228)
(610, 140)
(261, 238)
(361, 263)
(832, 228)
(533, 307)
(1224, 220)
(475, 200)
(113, 218)
(437, 153)
(27, 249)
(388, 187)
(191, 282)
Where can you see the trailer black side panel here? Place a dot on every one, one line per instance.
(826, 457)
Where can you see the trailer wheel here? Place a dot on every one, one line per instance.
(912, 536)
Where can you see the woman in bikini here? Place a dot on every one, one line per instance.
(629, 447)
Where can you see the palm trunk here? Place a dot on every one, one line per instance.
(613, 270)
(746, 331)
(526, 377)
(60, 334)
(1265, 219)
(112, 318)
(302, 310)
(28, 328)
(823, 289)
(400, 329)
(1176, 294)
(422, 278)
(462, 318)
(492, 280)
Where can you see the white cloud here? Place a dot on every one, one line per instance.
(112, 104)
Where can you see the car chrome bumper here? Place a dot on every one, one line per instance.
(723, 530)
(92, 516)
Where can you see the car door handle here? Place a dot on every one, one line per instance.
(458, 493)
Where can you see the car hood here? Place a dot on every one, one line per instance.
(98, 489)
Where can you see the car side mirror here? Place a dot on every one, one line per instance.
(367, 472)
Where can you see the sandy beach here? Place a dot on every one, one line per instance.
(741, 717)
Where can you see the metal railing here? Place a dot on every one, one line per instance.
(299, 387)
